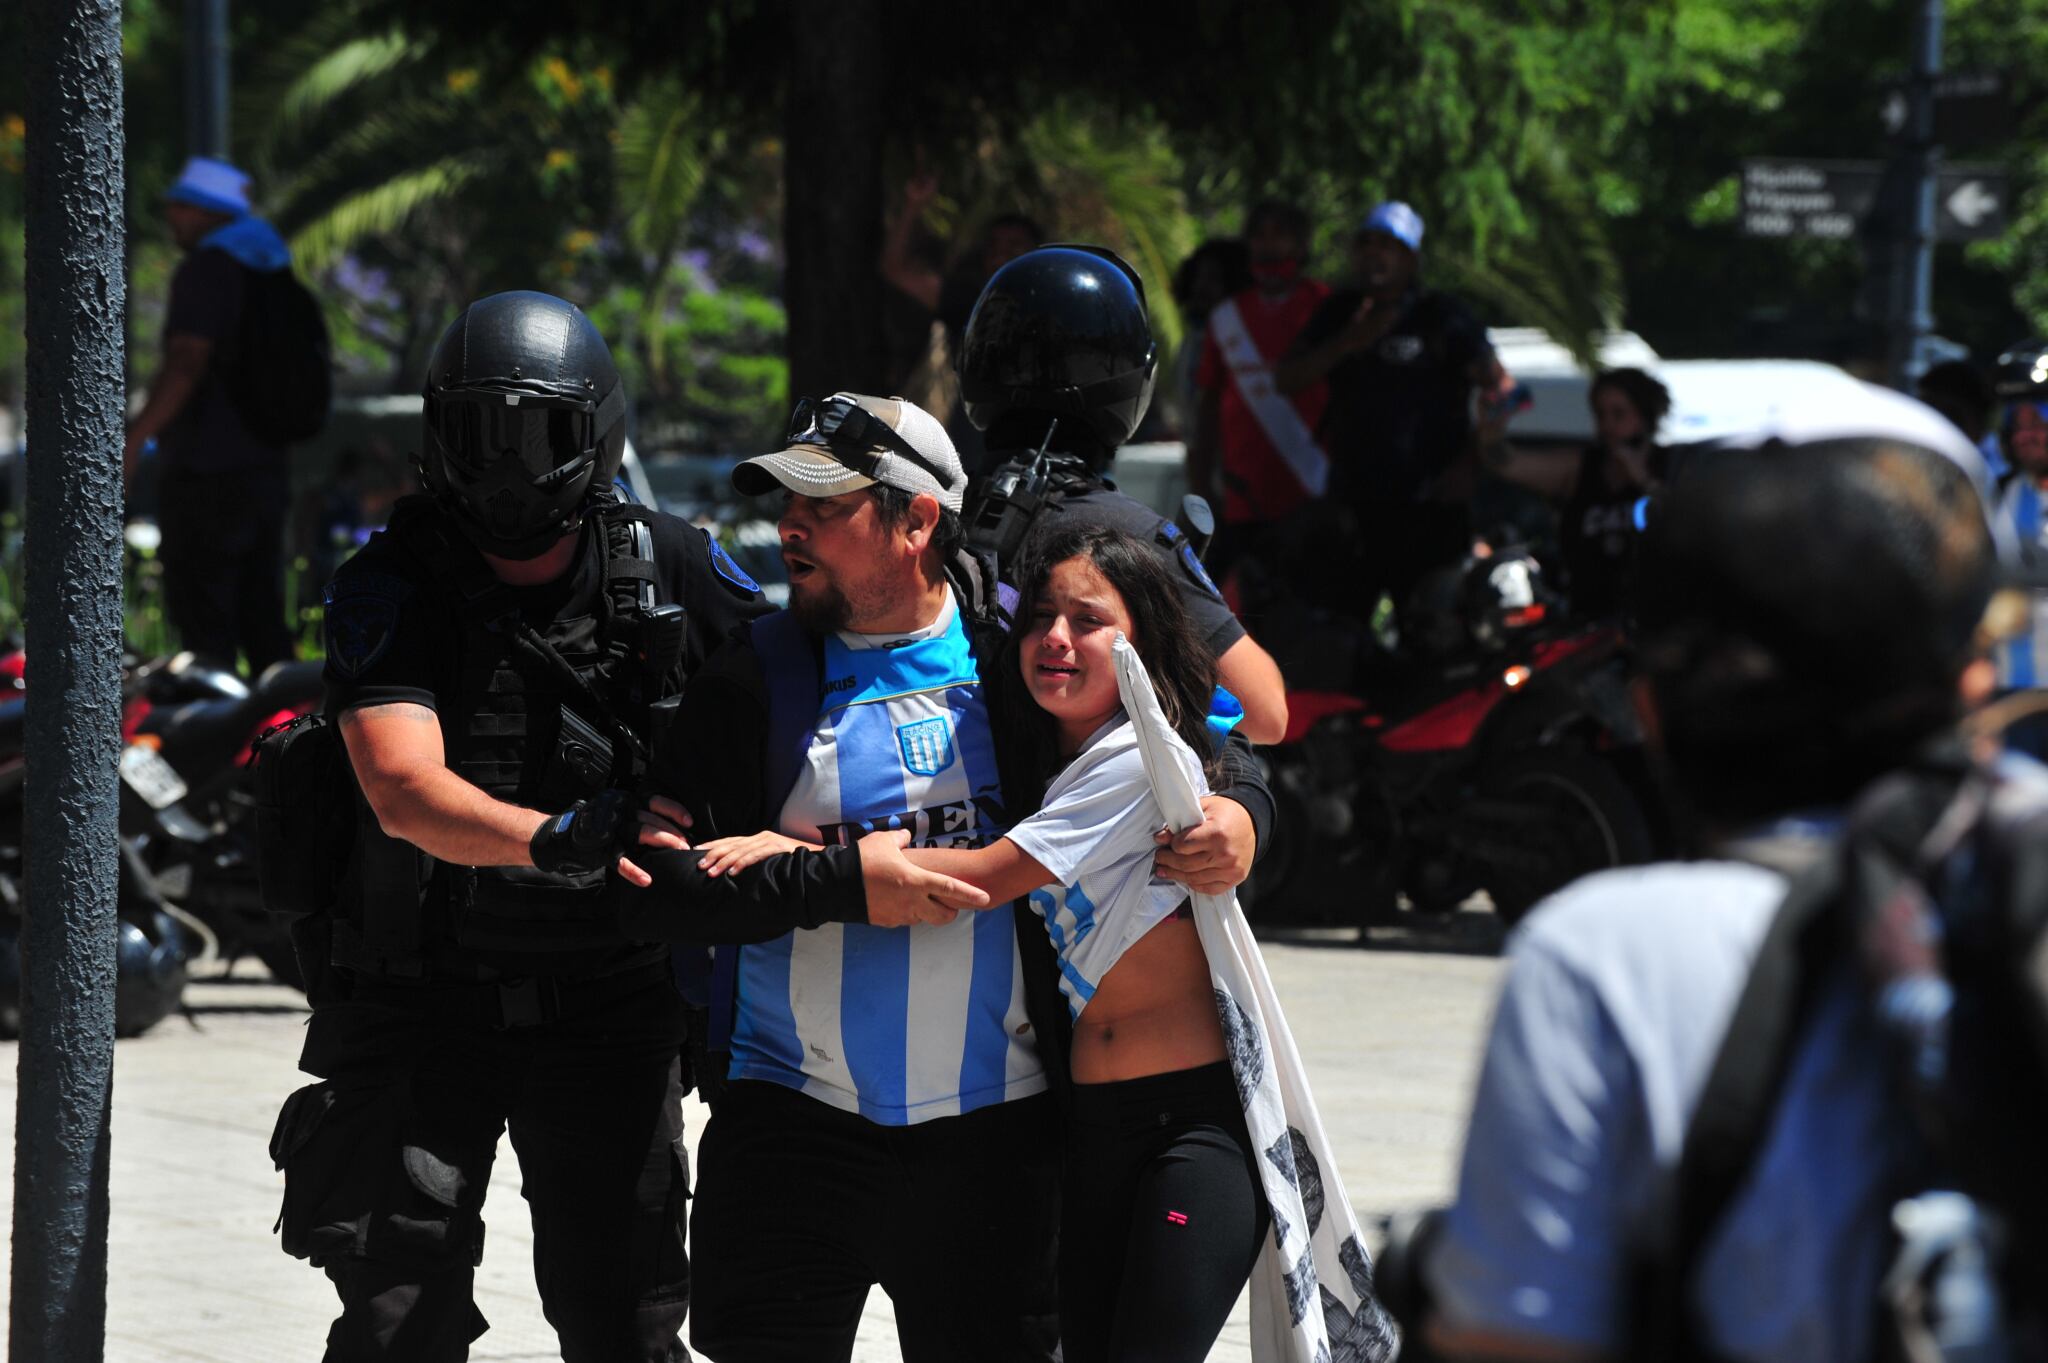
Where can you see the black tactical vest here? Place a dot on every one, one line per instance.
(536, 715)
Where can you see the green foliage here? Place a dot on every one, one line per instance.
(355, 214)
(665, 148)
(412, 176)
(1575, 159)
(1113, 181)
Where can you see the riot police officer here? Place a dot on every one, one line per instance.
(498, 660)
(1056, 368)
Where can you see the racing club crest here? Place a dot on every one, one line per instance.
(927, 746)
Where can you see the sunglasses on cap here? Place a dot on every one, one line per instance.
(478, 427)
(851, 432)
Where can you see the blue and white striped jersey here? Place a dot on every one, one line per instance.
(901, 1025)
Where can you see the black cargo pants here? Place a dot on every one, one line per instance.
(386, 1161)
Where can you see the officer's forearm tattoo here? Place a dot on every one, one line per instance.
(393, 709)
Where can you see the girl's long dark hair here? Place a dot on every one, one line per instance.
(1182, 669)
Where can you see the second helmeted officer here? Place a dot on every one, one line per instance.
(499, 660)
(1056, 369)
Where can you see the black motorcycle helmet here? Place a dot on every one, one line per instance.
(1059, 334)
(524, 420)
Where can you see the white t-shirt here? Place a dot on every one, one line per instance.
(1094, 834)
(1620, 990)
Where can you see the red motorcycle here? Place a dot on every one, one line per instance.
(1495, 749)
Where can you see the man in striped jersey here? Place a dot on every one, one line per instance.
(887, 1117)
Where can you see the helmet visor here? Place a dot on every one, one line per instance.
(478, 430)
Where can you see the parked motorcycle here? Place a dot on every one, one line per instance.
(154, 942)
(199, 723)
(1495, 749)
(204, 721)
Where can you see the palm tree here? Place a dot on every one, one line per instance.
(456, 174)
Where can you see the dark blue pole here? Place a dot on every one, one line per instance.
(1913, 285)
(206, 77)
(75, 235)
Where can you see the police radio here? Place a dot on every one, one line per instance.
(1008, 501)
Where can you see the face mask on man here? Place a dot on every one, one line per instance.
(1273, 273)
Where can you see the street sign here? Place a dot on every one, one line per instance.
(1806, 198)
(1971, 203)
(1970, 107)
(1782, 197)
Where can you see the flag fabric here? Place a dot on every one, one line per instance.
(1311, 1289)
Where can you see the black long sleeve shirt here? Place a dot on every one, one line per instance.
(712, 763)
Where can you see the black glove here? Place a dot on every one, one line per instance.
(586, 836)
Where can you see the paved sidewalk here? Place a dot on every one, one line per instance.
(1390, 1036)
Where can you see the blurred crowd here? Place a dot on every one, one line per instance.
(1351, 437)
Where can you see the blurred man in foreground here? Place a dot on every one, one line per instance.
(1696, 1132)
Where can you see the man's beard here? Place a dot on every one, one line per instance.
(822, 610)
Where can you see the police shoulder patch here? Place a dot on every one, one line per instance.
(722, 564)
(1196, 571)
(361, 620)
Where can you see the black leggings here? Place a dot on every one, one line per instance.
(1163, 1217)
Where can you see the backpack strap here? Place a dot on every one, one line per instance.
(631, 579)
(792, 664)
(1733, 1115)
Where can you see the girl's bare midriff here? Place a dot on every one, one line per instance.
(1153, 1013)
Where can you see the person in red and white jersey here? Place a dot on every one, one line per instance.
(1254, 454)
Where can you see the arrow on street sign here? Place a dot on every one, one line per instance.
(1971, 203)
(1831, 200)
(1969, 107)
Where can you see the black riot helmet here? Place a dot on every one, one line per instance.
(524, 420)
(1060, 334)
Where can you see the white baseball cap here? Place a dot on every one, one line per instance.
(850, 441)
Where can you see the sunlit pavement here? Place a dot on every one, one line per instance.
(1390, 1036)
